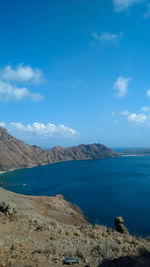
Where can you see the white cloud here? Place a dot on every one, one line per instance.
(147, 13)
(9, 78)
(121, 86)
(113, 113)
(121, 5)
(107, 36)
(148, 93)
(39, 129)
(125, 113)
(145, 109)
(21, 73)
(95, 35)
(11, 92)
(138, 118)
(2, 124)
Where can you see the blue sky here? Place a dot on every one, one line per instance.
(76, 71)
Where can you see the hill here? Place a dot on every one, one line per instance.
(43, 231)
(15, 154)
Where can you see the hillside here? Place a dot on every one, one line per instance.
(43, 231)
(15, 154)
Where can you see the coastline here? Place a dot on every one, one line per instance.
(135, 155)
(34, 166)
(1, 172)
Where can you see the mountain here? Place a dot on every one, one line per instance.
(15, 154)
(80, 152)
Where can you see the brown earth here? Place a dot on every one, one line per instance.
(15, 154)
(42, 231)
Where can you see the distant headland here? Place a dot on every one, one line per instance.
(15, 154)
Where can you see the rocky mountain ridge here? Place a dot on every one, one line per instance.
(15, 154)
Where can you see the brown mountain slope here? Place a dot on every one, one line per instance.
(15, 154)
(80, 152)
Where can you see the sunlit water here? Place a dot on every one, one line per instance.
(103, 189)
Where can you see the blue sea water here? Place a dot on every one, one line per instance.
(103, 189)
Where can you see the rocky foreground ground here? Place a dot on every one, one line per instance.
(43, 231)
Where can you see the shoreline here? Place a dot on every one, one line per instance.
(133, 155)
(46, 164)
(1, 172)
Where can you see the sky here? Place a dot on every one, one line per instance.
(76, 71)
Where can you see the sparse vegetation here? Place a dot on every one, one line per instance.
(39, 238)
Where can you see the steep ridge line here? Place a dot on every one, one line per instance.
(15, 154)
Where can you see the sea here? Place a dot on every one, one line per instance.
(103, 189)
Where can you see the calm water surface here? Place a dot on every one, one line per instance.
(103, 189)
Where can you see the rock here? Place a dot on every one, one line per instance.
(6, 208)
(13, 247)
(119, 220)
(70, 261)
(56, 259)
(119, 225)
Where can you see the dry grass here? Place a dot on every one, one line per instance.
(36, 242)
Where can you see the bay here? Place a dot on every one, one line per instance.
(103, 189)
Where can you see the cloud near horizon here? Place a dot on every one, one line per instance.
(121, 86)
(138, 118)
(39, 129)
(121, 5)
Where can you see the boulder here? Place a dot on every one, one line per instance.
(7, 209)
(119, 225)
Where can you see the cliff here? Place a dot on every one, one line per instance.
(15, 154)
